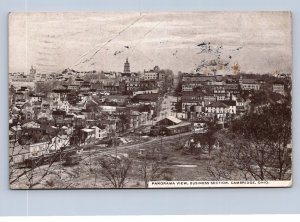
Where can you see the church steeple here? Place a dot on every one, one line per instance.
(126, 66)
(32, 70)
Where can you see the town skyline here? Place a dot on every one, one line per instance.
(103, 41)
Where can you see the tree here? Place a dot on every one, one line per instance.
(256, 146)
(27, 171)
(151, 168)
(178, 88)
(209, 137)
(115, 169)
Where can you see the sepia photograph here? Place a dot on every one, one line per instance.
(102, 100)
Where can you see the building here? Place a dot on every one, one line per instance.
(148, 84)
(161, 76)
(127, 67)
(100, 133)
(118, 99)
(58, 116)
(217, 110)
(111, 85)
(168, 121)
(146, 99)
(231, 106)
(193, 81)
(150, 75)
(38, 149)
(133, 86)
(145, 92)
(249, 84)
(183, 127)
(190, 99)
(278, 88)
(59, 142)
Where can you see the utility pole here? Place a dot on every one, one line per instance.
(161, 145)
(60, 165)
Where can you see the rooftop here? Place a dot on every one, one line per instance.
(174, 119)
(178, 125)
(217, 104)
(250, 81)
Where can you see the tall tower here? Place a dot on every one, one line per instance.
(32, 71)
(127, 66)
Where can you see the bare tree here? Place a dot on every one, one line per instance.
(28, 171)
(151, 167)
(114, 169)
(256, 147)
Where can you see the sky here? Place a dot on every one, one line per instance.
(261, 42)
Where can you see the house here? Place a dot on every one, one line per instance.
(191, 86)
(200, 125)
(240, 106)
(118, 99)
(64, 106)
(86, 86)
(31, 125)
(100, 133)
(278, 88)
(231, 106)
(16, 130)
(28, 113)
(59, 142)
(148, 84)
(45, 115)
(216, 107)
(161, 76)
(45, 105)
(217, 110)
(208, 99)
(68, 119)
(151, 74)
(17, 152)
(111, 85)
(38, 149)
(249, 84)
(134, 119)
(88, 136)
(36, 98)
(20, 96)
(220, 95)
(132, 85)
(110, 125)
(232, 88)
(78, 106)
(58, 116)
